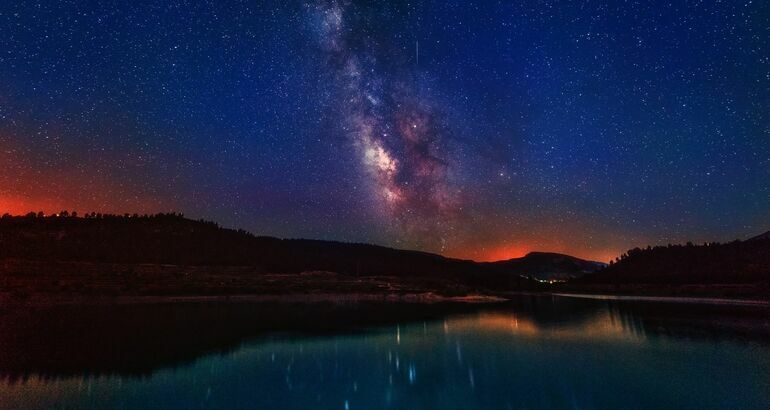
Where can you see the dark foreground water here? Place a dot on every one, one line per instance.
(536, 352)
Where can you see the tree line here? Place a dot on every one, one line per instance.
(712, 262)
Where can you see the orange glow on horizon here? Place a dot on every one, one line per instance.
(18, 205)
(51, 188)
(492, 254)
(510, 251)
(22, 206)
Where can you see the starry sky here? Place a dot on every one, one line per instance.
(479, 130)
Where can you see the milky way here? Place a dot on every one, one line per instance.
(585, 127)
(395, 131)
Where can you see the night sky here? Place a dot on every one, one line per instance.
(479, 130)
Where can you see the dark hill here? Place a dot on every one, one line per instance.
(763, 236)
(738, 262)
(547, 266)
(173, 239)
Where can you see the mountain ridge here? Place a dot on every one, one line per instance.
(735, 262)
(173, 239)
(760, 237)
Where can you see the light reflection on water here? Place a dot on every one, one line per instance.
(599, 356)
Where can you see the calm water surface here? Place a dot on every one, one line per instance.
(537, 352)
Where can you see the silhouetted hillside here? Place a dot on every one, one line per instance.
(763, 236)
(547, 266)
(173, 239)
(738, 262)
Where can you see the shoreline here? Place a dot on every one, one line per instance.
(289, 299)
(668, 299)
(336, 298)
(44, 284)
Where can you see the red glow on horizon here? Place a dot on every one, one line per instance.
(19, 206)
(510, 251)
(51, 188)
(16, 205)
(494, 254)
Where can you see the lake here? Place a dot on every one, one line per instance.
(534, 352)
